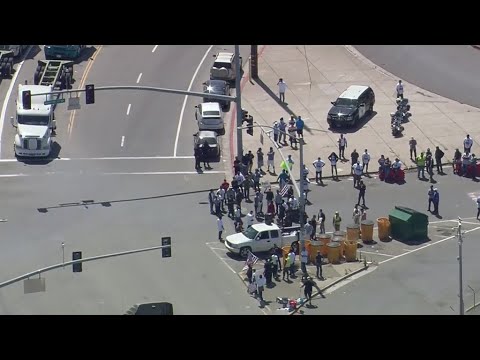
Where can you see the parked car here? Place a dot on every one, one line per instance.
(213, 140)
(224, 67)
(209, 116)
(217, 87)
(351, 106)
(160, 308)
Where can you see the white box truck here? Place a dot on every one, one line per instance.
(35, 126)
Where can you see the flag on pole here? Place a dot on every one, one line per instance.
(251, 260)
(284, 190)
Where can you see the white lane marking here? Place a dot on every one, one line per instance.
(350, 279)
(222, 260)
(425, 246)
(113, 158)
(12, 175)
(164, 173)
(123, 141)
(407, 249)
(154, 48)
(186, 97)
(9, 92)
(375, 253)
(139, 77)
(128, 109)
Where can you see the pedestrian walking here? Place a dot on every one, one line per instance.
(292, 135)
(282, 129)
(342, 144)
(318, 264)
(413, 148)
(457, 159)
(249, 273)
(337, 220)
(318, 164)
(268, 194)
(357, 173)
(421, 165)
(365, 161)
(260, 163)
(274, 261)
(268, 272)
(362, 188)
(321, 219)
(250, 158)
(278, 201)
(286, 268)
(300, 124)
(197, 153)
(238, 214)
(438, 159)
(211, 200)
(478, 208)
(429, 166)
(308, 289)
(282, 178)
(436, 200)
(354, 158)
(279, 252)
(333, 163)
(467, 144)
(271, 160)
(291, 255)
(247, 185)
(356, 215)
(217, 203)
(205, 154)
(261, 282)
(220, 227)
(430, 197)
(282, 87)
(308, 228)
(276, 131)
(399, 89)
(303, 262)
(313, 222)
(363, 214)
(256, 180)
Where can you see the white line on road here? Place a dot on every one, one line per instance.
(113, 158)
(222, 260)
(186, 98)
(165, 173)
(123, 141)
(12, 175)
(375, 253)
(154, 48)
(128, 109)
(139, 77)
(9, 92)
(425, 246)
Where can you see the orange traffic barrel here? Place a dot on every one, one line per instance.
(367, 230)
(353, 232)
(333, 252)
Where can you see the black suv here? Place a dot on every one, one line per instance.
(217, 87)
(351, 106)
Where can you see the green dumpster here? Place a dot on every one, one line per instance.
(408, 224)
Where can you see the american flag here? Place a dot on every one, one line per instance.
(251, 259)
(284, 190)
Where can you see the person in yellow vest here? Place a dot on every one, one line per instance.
(421, 164)
(336, 221)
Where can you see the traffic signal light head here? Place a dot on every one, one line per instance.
(90, 94)
(167, 250)
(77, 267)
(250, 125)
(27, 99)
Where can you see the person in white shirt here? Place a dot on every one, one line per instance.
(467, 144)
(342, 144)
(397, 165)
(295, 205)
(356, 215)
(319, 164)
(365, 161)
(303, 262)
(291, 261)
(276, 131)
(250, 219)
(357, 173)
(221, 196)
(220, 227)
(399, 89)
(282, 87)
(305, 171)
(261, 282)
(333, 162)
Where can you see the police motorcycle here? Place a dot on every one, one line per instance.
(397, 128)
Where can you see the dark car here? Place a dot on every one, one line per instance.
(351, 106)
(217, 87)
(213, 141)
(160, 308)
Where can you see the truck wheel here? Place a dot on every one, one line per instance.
(36, 78)
(244, 252)
(2, 68)
(68, 80)
(8, 70)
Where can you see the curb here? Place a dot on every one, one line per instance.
(476, 46)
(330, 285)
(477, 305)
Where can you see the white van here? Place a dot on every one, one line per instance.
(209, 116)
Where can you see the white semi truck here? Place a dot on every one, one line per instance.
(35, 126)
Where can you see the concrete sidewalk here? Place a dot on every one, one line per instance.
(435, 121)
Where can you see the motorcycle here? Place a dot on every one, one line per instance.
(397, 129)
(403, 104)
(399, 116)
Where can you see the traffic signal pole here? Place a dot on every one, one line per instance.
(238, 100)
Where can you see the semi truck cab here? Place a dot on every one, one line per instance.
(35, 126)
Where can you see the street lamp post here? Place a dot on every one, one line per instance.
(460, 265)
(238, 79)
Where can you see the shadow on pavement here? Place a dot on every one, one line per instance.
(34, 51)
(358, 126)
(86, 54)
(274, 96)
(85, 203)
(54, 154)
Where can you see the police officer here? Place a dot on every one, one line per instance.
(337, 221)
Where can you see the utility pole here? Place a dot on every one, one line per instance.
(238, 81)
(460, 265)
(254, 62)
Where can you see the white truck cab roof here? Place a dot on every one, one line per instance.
(264, 227)
(38, 106)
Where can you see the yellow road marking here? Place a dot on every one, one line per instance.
(71, 120)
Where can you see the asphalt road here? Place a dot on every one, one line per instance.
(195, 279)
(410, 279)
(452, 71)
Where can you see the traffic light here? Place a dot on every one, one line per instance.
(90, 94)
(77, 267)
(167, 251)
(27, 99)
